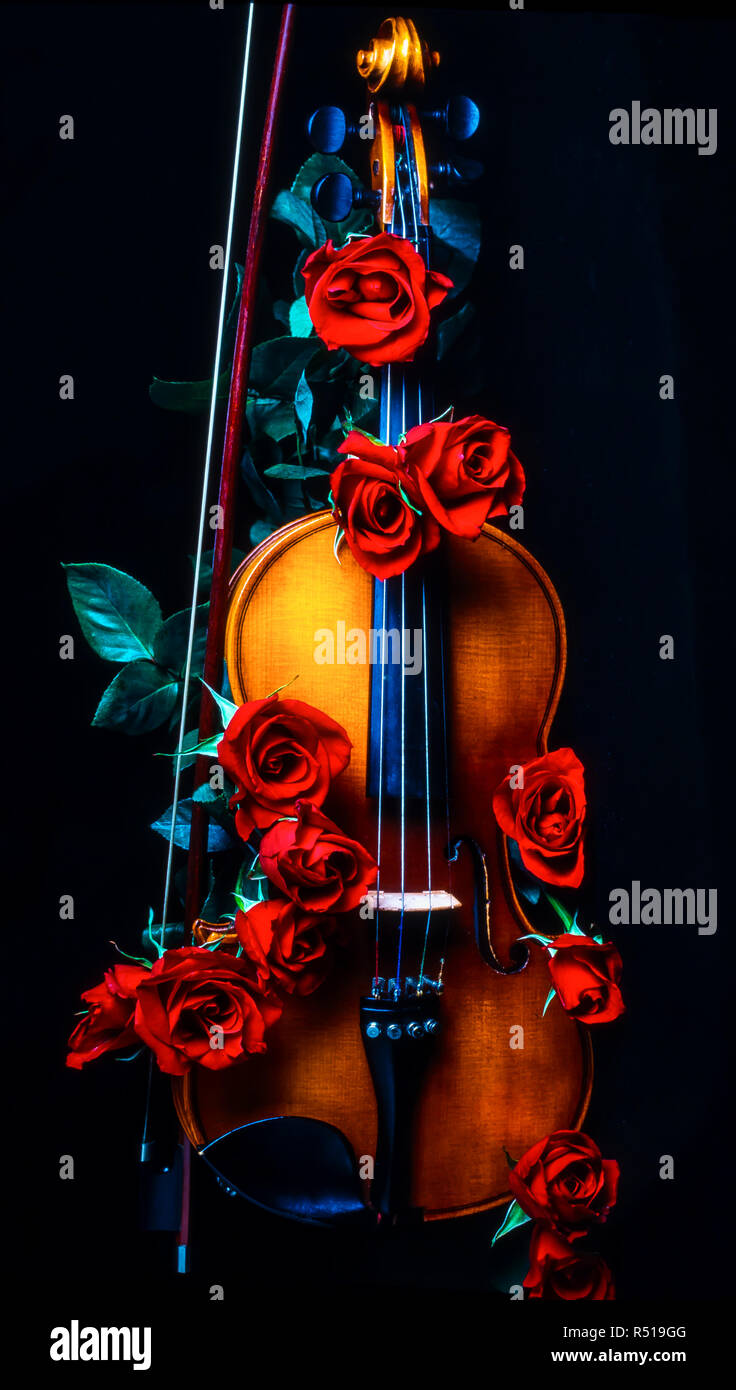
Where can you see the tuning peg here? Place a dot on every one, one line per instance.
(334, 197)
(459, 118)
(457, 171)
(328, 129)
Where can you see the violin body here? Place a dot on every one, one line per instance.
(500, 1074)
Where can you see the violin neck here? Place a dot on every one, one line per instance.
(407, 399)
(407, 697)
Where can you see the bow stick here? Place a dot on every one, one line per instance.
(222, 558)
(230, 458)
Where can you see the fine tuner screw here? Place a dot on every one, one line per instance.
(394, 1030)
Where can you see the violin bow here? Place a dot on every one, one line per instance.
(222, 558)
(237, 399)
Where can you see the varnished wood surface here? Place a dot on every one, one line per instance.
(507, 657)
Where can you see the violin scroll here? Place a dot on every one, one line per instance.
(397, 59)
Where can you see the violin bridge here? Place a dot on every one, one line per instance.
(436, 901)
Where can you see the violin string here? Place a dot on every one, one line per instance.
(384, 654)
(400, 201)
(447, 800)
(403, 779)
(206, 474)
(426, 766)
(414, 194)
(384, 658)
(446, 779)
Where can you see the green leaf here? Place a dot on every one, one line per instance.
(205, 795)
(226, 707)
(514, 1217)
(301, 217)
(260, 531)
(231, 322)
(335, 365)
(118, 616)
(174, 935)
(550, 996)
(205, 568)
(300, 324)
(303, 403)
(192, 397)
(272, 417)
(562, 912)
(262, 496)
(294, 472)
(217, 906)
(456, 243)
(245, 904)
(450, 330)
(141, 697)
(297, 279)
(172, 640)
(316, 167)
(191, 749)
(217, 838)
(277, 365)
(250, 873)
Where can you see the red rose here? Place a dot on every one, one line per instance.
(585, 975)
(200, 1006)
(276, 751)
(372, 297)
(311, 861)
(564, 1181)
(466, 472)
(377, 503)
(546, 816)
(558, 1271)
(109, 1023)
(286, 945)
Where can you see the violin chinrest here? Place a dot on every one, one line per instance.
(292, 1166)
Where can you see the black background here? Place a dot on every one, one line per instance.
(627, 277)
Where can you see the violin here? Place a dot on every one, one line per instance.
(396, 1091)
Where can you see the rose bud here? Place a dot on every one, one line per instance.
(564, 1181)
(586, 976)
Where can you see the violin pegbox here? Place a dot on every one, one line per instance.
(395, 68)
